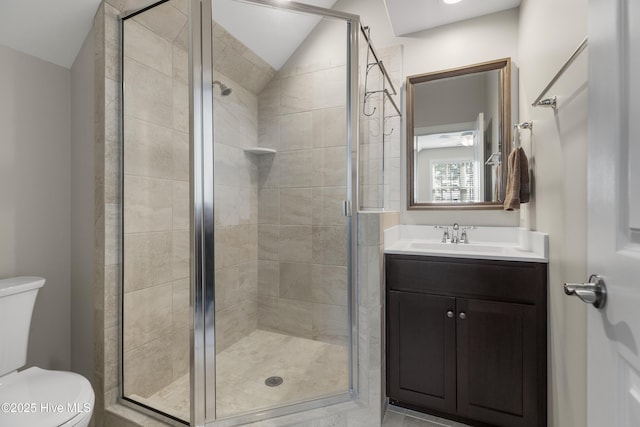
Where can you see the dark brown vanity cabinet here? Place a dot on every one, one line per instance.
(466, 339)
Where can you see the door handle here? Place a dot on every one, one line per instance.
(594, 292)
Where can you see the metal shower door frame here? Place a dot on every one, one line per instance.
(203, 363)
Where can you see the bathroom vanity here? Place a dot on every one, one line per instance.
(467, 327)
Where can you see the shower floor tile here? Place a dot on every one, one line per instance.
(309, 369)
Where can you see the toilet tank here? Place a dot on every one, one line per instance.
(17, 296)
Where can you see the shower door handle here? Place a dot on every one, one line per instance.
(346, 208)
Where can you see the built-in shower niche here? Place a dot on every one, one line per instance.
(281, 254)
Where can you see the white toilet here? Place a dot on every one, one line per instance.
(34, 397)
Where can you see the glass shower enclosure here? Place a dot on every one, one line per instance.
(239, 153)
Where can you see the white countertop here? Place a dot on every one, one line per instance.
(497, 243)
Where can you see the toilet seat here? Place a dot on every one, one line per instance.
(42, 398)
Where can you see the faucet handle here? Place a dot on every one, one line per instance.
(464, 238)
(445, 236)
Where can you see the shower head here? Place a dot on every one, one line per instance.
(224, 89)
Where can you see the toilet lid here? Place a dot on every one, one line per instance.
(39, 398)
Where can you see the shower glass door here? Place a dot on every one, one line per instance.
(282, 287)
(156, 315)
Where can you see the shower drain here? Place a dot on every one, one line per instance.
(273, 381)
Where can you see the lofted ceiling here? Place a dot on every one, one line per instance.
(272, 34)
(53, 30)
(410, 16)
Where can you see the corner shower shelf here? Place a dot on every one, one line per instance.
(259, 150)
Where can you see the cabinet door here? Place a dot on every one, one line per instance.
(421, 350)
(497, 366)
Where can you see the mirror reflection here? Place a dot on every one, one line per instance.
(457, 120)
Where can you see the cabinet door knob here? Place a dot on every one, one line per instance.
(463, 315)
(449, 314)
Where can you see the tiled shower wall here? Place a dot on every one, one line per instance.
(236, 187)
(302, 273)
(156, 200)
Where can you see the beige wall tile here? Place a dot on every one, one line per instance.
(268, 313)
(330, 323)
(111, 43)
(180, 65)
(334, 167)
(235, 322)
(231, 166)
(329, 88)
(181, 257)
(296, 94)
(149, 96)
(111, 302)
(329, 284)
(295, 243)
(268, 171)
(111, 174)
(332, 198)
(247, 212)
(181, 351)
(148, 149)
(227, 287)
(330, 245)
(268, 206)
(181, 294)
(148, 204)
(112, 110)
(268, 278)
(268, 242)
(226, 205)
(147, 260)
(248, 280)
(144, 46)
(142, 365)
(181, 163)
(164, 20)
(295, 281)
(111, 234)
(269, 101)
(296, 131)
(181, 205)
(294, 168)
(147, 315)
(296, 206)
(180, 106)
(329, 127)
(293, 318)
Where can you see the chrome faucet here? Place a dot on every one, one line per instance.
(454, 237)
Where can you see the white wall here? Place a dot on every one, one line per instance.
(82, 207)
(35, 195)
(558, 160)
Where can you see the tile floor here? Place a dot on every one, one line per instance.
(400, 417)
(310, 369)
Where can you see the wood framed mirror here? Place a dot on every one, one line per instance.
(459, 136)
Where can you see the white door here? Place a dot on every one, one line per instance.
(614, 212)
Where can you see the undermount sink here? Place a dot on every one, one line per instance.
(500, 243)
(460, 247)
